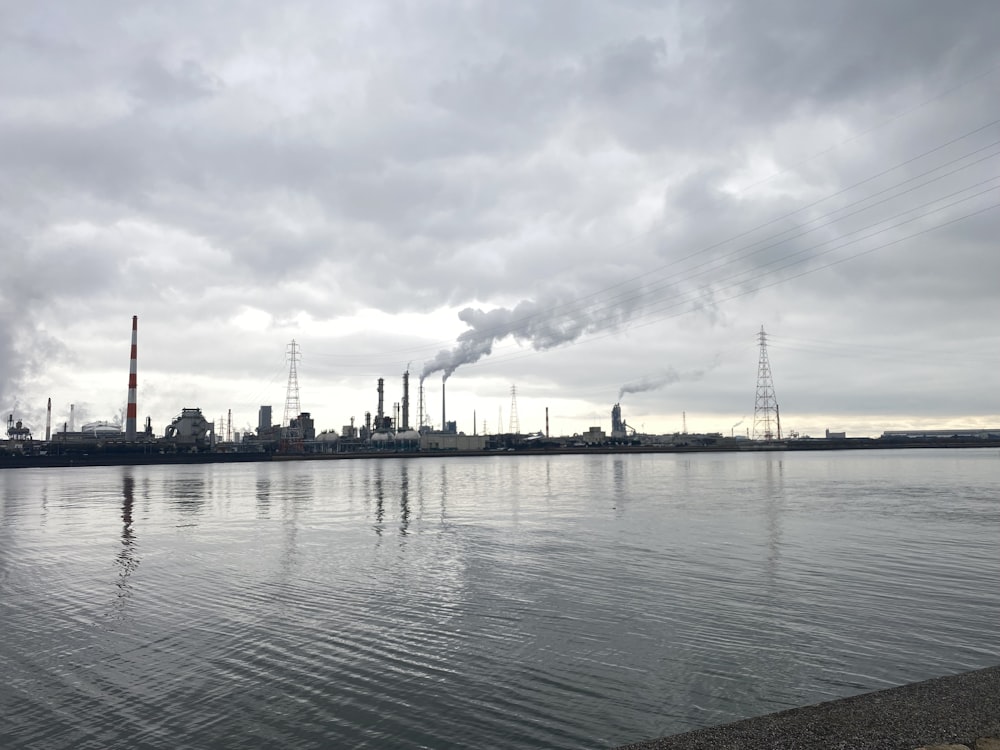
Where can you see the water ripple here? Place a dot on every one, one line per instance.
(571, 601)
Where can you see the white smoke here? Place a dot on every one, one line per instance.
(659, 379)
(542, 326)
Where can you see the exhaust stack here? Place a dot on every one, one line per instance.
(406, 400)
(131, 408)
(380, 415)
(48, 422)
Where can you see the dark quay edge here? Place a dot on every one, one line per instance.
(151, 457)
(957, 709)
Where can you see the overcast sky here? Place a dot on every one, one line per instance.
(591, 201)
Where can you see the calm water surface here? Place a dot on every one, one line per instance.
(509, 602)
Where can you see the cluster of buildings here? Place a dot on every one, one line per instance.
(191, 432)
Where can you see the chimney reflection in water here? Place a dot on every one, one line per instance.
(127, 561)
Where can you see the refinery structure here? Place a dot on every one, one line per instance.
(191, 436)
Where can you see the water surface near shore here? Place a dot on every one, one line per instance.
(528, 601)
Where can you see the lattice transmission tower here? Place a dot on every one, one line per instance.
(766, 417)
(515, 425)
(292, 407)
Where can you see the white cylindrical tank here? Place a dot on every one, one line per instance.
(101, 429)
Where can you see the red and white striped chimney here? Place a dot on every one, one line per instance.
(131, 409)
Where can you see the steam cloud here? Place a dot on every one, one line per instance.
(542, 326)
(24, 348)
(659, 379)
(11, 363)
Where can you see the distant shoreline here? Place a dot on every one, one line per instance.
(137, 458)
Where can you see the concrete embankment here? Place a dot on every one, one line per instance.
(960, 710)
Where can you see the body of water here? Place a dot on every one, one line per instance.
(578, 601)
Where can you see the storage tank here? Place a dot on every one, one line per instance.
(101, 429)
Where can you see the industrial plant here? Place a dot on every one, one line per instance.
(190, 436)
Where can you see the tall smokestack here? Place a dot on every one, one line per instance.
(443, 423)
(72, 422)
(406, 400)
(48, 422)
(131, 409)
(421, 414)
(379, 417)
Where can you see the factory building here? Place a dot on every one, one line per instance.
(975, 433)
(620, 429)
(304, 426)
(18, 437)
(594, 436)
(452, 441)
(190, 430)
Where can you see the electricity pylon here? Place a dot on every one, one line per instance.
(766, 417)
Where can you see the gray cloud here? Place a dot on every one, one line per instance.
(155, 84)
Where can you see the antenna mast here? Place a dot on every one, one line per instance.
(766, 422)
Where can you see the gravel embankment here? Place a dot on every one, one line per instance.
(962, 709)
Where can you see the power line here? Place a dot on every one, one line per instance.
(765, 285)
(662, 283)
(570, 309)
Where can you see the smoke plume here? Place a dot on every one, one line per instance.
(658, 380)
(541, 326)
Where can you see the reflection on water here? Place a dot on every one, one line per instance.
(378, 493)
(187, 494)
(298, 487)
(619, 486)
(774, 499)
(443, 490)
(542, 601)
(380, 490)
(404, 498)
(128, 559)
(263, 491)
